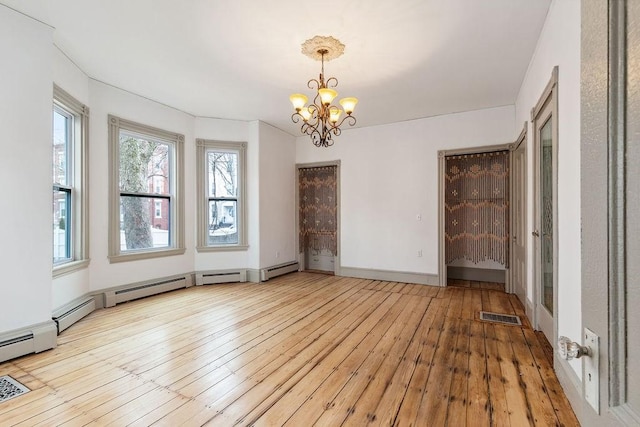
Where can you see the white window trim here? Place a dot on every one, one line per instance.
(117, 124)
(80, 196)
(204, 145)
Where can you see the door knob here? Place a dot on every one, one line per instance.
(571, 350)
(535, 233)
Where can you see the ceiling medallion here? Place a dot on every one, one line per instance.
(331, 46)
(321, 119)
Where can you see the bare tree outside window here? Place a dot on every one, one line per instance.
(141, 162)
(223, 197)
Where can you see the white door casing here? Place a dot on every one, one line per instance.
(545, 120)
(518, 264)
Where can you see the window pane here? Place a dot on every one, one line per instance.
(139, 226)
(61, 132)
(222, 174)
(222, 222)
(61, 226)
(144, 165)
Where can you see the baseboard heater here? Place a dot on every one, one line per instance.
(34, 339)
(144, 289)
(17, 346)
(220, 276)
(71, 313)
(278, 270)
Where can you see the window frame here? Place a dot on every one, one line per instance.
(77, 185)
(203, 147)
(176, 190)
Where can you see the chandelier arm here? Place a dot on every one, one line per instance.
(329, 81)
(352, 121)
(307, 128)
(314, 84)
(295, 117)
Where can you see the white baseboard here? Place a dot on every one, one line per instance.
(390, 275)
(278, 270)
(220, 276)
(570, 383)
(528, 307)
(73, 311)
(253, 275)
(146, 288)
(32, 339)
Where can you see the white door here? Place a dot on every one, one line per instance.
(519, 221)
(545, 173)
(610, 202)
(632, 209)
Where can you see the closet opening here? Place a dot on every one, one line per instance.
(318, 217)
(474, 206)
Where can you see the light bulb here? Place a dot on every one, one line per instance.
(298, 100)
(349, 104)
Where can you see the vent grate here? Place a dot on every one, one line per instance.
(10, 388)
(506, 319)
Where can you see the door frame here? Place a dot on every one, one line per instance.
(547, 101)
(442, 266)
(520, 141)
(603, 110)
(337, 265)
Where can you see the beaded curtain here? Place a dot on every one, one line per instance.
(477, 207)
(317, 199)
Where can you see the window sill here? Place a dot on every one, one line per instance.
(136, 256)
(230, 248)
(69, 267)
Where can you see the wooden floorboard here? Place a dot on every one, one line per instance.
(302, 349)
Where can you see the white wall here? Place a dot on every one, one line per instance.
(559, 44)
(25, 170)
(277, 196)
(389, 175)
(105, 100)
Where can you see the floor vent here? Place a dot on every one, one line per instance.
(10, 388)
(506, 319)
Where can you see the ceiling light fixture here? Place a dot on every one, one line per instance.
(321, 119)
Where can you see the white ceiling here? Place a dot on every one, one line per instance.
(240, 59)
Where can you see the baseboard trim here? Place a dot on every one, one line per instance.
(253, 275)
(32, 339)
(571, 385)
(146, 288)
(390, 275)
(528, 307)
(212, 277)
(73, 311)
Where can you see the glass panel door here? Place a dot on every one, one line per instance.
(546, 222)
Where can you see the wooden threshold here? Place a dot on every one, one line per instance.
(302, 349)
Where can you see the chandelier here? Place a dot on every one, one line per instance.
(321, 119)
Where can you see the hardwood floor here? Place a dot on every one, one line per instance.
(303, 349)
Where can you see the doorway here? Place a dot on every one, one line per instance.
(474, 212)
(318, 217)
(519, 218)
(545, 154)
